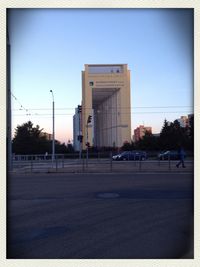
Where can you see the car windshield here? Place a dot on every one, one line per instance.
(124, 153)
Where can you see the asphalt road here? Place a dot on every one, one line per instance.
(100, 216)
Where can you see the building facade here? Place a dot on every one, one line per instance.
(140, 131)
(106, 98)
(183, 121)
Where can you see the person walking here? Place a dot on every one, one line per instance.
(45, 155)
(181, 154)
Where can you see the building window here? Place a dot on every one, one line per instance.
(91, 83)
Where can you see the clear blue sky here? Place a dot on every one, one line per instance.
(49, 48)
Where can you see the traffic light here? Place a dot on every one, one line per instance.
(89, 119)
(79, 108)
(80, 138)
(87, 144)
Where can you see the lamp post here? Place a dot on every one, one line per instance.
(53, 126)
(80, 136)
(8, 106)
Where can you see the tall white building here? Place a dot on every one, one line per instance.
(106, 97)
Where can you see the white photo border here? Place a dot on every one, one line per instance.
(4, 5)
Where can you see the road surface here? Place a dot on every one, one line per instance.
(100, 216)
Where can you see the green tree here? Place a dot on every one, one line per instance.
(148, 142)
(70, 148)
(191, 133)
(61, 148)
(173, 135)
(129, 146)
(28, 140)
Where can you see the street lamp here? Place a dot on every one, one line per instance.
(53, 118)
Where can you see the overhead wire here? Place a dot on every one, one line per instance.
(136, 107)
(29, 113)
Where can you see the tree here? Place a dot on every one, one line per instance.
(191, 133)
(69, 147)
(148, 142)
(28, 140)
(173, 135)
(61, 148)
(127, 146)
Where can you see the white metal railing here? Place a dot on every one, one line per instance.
(72, 163)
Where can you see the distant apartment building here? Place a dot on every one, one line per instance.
(140, 131)
(184, 121)
(76, 129)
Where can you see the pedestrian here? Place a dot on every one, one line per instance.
(181, 154)
(45, 155)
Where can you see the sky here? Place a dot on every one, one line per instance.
(49, 48)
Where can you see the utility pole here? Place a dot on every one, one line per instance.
(8, 105)
(80, 137)
(87, 144)
(53, 128)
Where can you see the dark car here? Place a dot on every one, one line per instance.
(172, 155)
(131, 155)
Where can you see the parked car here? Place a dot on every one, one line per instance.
(172, 155)
(131, 155)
